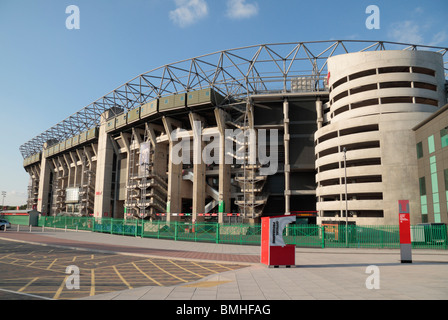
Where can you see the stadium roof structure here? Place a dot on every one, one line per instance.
(239, 72)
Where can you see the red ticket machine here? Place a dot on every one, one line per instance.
(274, 251)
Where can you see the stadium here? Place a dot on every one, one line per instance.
(320, 129)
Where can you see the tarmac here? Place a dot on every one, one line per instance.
(319, 274)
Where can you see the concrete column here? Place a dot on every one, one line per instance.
(287, 169)
(319, 112)
(43, 198)
(103, 181)
(224, 169)
(174, 199)
(199, 183)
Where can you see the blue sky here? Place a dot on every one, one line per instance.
(48, 72)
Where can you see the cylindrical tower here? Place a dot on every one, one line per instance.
(375, 100)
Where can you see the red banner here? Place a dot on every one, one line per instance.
(404, 222)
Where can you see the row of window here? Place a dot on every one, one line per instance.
(350, 163)
(374, 71)
(431, 143)
(349, 147)
(347, 131)
(357, 213)
(384, 85)
(385, 100)
(356, 179)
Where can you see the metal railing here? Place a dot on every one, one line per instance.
(423, 236)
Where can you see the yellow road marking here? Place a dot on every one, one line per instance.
(121, 277)
(147, 276)
(224, 266)
(61, 287)
(51, 264)
(28, 284)
(199, 275)
(13, 263)
(92, 282)
(204, 267)
(173, 275)
(205, 284)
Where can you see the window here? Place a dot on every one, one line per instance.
(431, 146)
(424, 71)
(361, 74)
(446, 180)
(393, 69)
(424, 85)
(422, 183)
(395, 84)
(423, 200)
(435, 189)
(386, 100)
(444, 137)
(446, 186)
(431, 102)
(419, 150)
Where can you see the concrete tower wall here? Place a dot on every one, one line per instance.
(376, 98)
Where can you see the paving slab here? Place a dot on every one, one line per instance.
(320, 274)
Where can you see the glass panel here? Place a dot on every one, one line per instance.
(434, 181)
(433, 168)
(431, 146)
(423, 200)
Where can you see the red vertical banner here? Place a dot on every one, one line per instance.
(404, 222)
(265, 240)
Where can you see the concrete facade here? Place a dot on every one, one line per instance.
(375, 101)
(128, 169)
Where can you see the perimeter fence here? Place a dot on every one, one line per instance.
(318, 236)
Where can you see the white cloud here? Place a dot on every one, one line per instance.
(407, 31)
(188, 12)
(439, 38)
(239, 9)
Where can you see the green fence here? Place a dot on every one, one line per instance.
(338, 236)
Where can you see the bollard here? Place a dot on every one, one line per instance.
(65, 229)
(30, 228)
(18, 228)
(43, 228)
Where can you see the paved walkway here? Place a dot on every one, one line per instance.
(319, 274)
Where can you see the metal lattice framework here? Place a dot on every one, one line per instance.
(236, 72)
